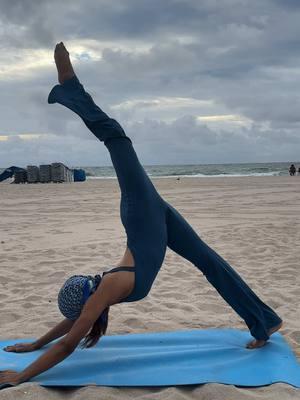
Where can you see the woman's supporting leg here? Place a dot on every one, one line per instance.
(182, 239)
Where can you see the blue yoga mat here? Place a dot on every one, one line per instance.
(168, 359)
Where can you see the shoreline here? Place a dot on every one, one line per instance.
(197, 176)
(168, 177)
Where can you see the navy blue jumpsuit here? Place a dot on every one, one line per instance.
(152, 224)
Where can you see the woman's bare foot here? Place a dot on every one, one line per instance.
(255, 344)
(63, 63)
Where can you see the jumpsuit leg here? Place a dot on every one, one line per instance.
(184, 241)
(72, 95)
(142, 209)
(143, 215)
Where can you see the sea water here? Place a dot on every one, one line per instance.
(201, 170)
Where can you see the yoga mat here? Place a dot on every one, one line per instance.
(168, 359)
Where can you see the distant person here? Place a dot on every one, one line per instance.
(292, 170)
(299, 171)
(85, 300)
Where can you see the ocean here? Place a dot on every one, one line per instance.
(201, 170)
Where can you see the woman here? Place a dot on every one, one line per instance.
(151, 225)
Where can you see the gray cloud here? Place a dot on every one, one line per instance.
(239, 56)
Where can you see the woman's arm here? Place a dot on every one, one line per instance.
(111, 290)
(58, 331)
(59, 351)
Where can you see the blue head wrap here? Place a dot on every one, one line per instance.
(75, 292)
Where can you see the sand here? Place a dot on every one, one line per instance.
(51, 231)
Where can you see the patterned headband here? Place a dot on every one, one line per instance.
(75, 292)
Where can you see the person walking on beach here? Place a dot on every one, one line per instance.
(151, 225)
(292, 170)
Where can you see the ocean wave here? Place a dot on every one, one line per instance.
(221, 175)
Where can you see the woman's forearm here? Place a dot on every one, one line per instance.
(60, 350)
(53, 356)
(58, 331)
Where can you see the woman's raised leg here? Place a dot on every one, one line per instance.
(71, 94)
(142, 209)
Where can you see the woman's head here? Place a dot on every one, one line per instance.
(71, 299)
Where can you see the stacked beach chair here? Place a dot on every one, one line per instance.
(33, 174)
(20, 176)
(61, 173)
(55, 172)
(70, 175)
(45, 173)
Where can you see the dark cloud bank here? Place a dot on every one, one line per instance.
(241, 57)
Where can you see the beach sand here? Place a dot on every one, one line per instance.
(51, 231)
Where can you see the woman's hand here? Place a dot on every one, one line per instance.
(77, 330)
(21, 347)
(56, 332)
(11, 377)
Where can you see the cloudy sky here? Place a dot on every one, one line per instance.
(191, 81)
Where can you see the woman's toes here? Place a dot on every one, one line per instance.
(255, 344)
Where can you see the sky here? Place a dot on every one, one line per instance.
(191, 82)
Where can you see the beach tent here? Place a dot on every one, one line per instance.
(9, 172)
